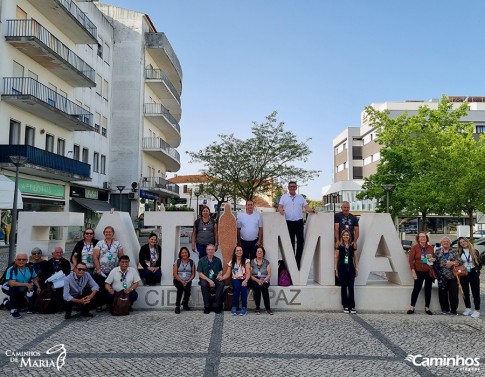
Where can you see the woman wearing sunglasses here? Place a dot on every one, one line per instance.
(83, 250)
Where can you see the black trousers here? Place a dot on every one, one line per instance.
(295, 228)
(181, 290)
(205, 289)
(448, 296)
(472, 281)
(259, 290)
(418, 284)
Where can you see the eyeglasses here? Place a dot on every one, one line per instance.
(22, 259)
(37, 253)
(88, 233)
(82, 269)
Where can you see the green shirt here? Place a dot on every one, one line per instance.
(204, 266)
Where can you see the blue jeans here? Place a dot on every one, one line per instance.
(201, 249)
(239, 290)
(151, 278)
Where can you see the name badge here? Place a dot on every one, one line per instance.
(110, 256)
(259, 274)
(424, 259)
(346, 260)
(184, 275)
(125, 285)
(468, 268)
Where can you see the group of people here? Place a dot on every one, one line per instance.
(427, 265)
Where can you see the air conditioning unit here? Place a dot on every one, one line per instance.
(107, 185)
(132, 195)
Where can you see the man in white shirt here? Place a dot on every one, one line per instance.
(121, 278)
(291, 206)
(249, 230)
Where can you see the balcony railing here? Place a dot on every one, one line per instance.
(159, 109)
(68, 18)
(71, 6)
(158, 74)
(157, 143)
(159, 183)
(160, 40)
(32, 29)
(22, 86)
(46, 160)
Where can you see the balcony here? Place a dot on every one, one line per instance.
(35, 41)
(45, 164)
(159, 82)
(30, 95)
(160, 49)
(161, 117)
(69, 18)
(161, 150)
(160, 186)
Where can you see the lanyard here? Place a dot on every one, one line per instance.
(467, 257)
(184, 267)
(447, 256)
(88, 249)
(108, 246)
(22, 273)
(123, 275)
(423, 251)
(56, 265)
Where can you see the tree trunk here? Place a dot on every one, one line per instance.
(423, 221)
(470, 219)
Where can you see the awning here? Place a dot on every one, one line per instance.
(94, 205)
(6, 194)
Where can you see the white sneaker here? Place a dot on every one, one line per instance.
(475, 314)
(467, 311)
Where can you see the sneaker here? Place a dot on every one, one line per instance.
(233, 311)
(177, 310)
(243, 312)
(16, 315)
(258, 312)
(218, 310)
(67, 316)
(445, 313)
(30, 311)
(475, 314)
(353, 311)
(3, 305)
(269, 312)
(186, 307)
(452, 313)
(467, 311)
(346, 310)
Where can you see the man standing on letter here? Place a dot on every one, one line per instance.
(291, 206)
(249, 230)
(345, 220)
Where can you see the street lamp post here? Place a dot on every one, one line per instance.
(387, 189)
(18, 161)
(120, 188)
(197, 194)
(334, 199)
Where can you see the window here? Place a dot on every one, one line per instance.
(14, 135)
(61, 146)
(75, 155)
(29, 136)
(99, 84)
(480, 129)
(104, 129)
(49, 143)
(103, 164)
(33, 75)
(96, 162)
(18, 69)
(105, 89)
(107, 53)
(100, 48)
(85, 155)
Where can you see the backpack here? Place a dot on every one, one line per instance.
(121, 304)
(180, 261)
(227, 298)
(46, 302)
(284, 278)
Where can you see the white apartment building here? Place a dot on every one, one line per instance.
(147, 77)
(357, 153)
(88, 114)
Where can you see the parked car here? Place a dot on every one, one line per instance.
(479, 233)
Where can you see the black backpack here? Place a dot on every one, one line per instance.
(3, 278)
(121, 304)
(46, 302)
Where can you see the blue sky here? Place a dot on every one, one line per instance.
(317, 62)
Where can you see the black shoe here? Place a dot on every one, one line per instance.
(218, 310)
(410, 311)
(177, 310)
(67, 316)
(428, 312)
(186, 307)
(207, 310)
(87, 314)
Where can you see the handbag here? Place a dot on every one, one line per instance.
(432, 273)
(459, 271)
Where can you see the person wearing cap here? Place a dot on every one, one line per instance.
(22, 281)
(38, 262)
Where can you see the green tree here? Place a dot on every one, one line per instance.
(220, 190)
(249, 166)
(420, 157)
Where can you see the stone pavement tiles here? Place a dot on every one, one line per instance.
(290, 343)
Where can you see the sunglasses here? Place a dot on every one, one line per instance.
(82, 269)
(37, 253)
(88, 234)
